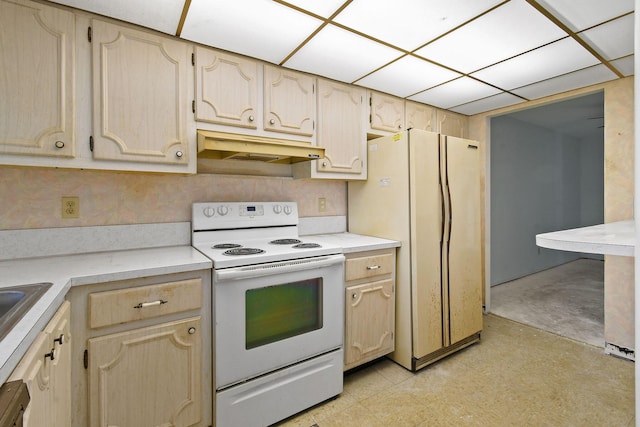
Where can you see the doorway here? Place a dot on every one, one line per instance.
(547, 174)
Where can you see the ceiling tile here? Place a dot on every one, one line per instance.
(408, 24)
(579, 15)
(324, 8)
(455, 92)
(407, 76)
(549, 61)
(341, 55)
(262, 29)
(625, 65)
(509, 30)
(613, 39)
(161, 15)
(486, 104)
(585, 77)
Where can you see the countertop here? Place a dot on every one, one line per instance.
(352, 242)
(81, 269)
(616, 238)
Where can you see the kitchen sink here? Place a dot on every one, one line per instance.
(15, 301)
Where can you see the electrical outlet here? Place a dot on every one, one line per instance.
(70, 207)
(322, 204)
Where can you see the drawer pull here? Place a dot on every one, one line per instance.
(60, 339)
(373, 267)
(51, 355)
(150, 304)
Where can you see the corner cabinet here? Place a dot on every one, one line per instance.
(144, 356)
(369, 306)
(140, 97)
(37, 81)
(46, 370)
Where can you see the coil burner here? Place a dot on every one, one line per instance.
(226, 246)
(307, 246)
(243, 251)
(285, 241)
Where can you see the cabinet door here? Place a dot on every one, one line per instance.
(59, 338)
(147, 377)
(340, 127)
(226, 88)
(452, 124)
(369, 321)
(140, 96)
(289, 101)
(420, 116)
(386, 112)
(37, 95)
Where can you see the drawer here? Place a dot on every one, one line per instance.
(369, 266)
(143, 302)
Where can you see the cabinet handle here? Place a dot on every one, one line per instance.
(354, 295)
(179, 154)
(271, 122)
(51, 355)
(251, 118)
(373, 267)
(60, 339)
(59, 144)
(150, 304)
(191, 330)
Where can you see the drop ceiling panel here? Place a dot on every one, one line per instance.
(509, 30)
(324, 8)
(407, 76)
(490, 103)
(262, 29)
(161, 15)
(613, 39)
(625, 65)
(582, 14)
(408, 24)
(548, 61)
(585, 77)
(456, 92)
(341, 55)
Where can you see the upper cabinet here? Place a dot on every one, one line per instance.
(140, 96)
(386, 114)
(340, 131)
(420, 116)
(452, 124)
(226, 89)
(289, 101)
(37, 87)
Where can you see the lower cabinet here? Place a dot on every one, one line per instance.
(45, 369)
(369, 306)
(145, 348)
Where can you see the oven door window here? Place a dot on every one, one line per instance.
(275, 313)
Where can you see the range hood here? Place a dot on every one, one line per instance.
(231, 146)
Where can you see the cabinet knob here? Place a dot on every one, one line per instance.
(51, 355)
(271, 122)
(60, 339)
(179, 154)
(191, 330)
(324, 164)
(251, 118)
(59, 144)
(354, 295)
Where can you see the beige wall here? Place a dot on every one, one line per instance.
(618, 192)
(31, 197)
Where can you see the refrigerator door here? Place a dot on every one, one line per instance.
(462, 288)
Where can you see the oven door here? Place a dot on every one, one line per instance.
(270, 316)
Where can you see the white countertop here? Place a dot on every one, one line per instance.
(616, 238)
(350, 242)
(80, 269)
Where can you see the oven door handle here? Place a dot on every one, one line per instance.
(281, 267)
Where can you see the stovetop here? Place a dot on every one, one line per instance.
(240, 234)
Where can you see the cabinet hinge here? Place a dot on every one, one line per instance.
(86, 358)
(370, 119)
(370, 102)
(193, 59)
(89, 34)
(91, 143)
(193, 106)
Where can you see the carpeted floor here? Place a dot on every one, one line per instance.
(567, 300)
(516, 376)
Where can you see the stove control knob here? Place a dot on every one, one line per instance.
(288, 209)
(277, 209)
(223, 210)
(209, 212)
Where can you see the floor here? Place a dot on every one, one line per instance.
(516, 376)
(567, 300)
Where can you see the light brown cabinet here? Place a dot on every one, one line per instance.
(386, 114)
(37, 81)
(140, 97)
(46, 370)
(369, 306)
(144, 352)
(452, 124)
(420, 116)
(289, 101)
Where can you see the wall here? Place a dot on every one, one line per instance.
(618, 193)
(31, 197)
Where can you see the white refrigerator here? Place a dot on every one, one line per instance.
(423, 189)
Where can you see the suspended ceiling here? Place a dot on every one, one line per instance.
(461, 55)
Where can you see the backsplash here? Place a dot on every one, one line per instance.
(31, 197)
